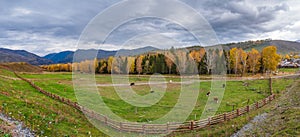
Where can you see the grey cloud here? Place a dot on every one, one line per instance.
(240, 17)
(47, 26)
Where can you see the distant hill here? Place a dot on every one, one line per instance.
(283, 47)
(21, 67)
(7, 55)
(67, 56)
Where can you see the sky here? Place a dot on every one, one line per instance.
(44, 27)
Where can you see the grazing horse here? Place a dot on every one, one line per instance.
(216, 99)
(131, 84)
(208, 93)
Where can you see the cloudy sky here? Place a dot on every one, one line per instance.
(44, 27)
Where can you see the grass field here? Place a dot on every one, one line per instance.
(282, 119)
(235, 94)
(45, 116)
(48, 117)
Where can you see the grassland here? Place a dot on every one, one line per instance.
(282, 119)
(43, 115)
(48, 117)
(235, 94)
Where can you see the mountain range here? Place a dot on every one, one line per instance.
(7, 55)
(67, 56)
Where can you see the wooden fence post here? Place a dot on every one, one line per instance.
(225, 118)
(238, 112)
(208, 121)
(248, 108)
(121, 126)
(264, 101)
(167, 127)
(192, 125)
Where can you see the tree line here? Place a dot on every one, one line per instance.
(180, 61)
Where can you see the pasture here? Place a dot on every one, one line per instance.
(48, 117)
(43, 115)
(236, 94)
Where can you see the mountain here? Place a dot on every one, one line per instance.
(283, 47)
(82, 54)
(7, 55)
(61, 57)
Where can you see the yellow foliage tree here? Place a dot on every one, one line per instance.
(254, 60)
(195, 55)
(270, 58)
(131, 64)
(238, 60)
(287, 56)
(139, 67)
(109, 63)
(234, 60)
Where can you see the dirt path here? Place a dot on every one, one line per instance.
(283, 119)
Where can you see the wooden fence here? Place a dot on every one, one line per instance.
(156, 128)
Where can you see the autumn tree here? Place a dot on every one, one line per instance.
(235, 60)
(253, 60)
(169, 59)
(96, 65)
(287, 56)
(102, 66)
(194, 54)
(270, 58)
(138, 62)
(109, 64)
(243, 57)
(131, 65)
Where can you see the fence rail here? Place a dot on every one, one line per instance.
(156, 128)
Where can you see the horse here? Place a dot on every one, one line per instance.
(208, 93)
(216, 99)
